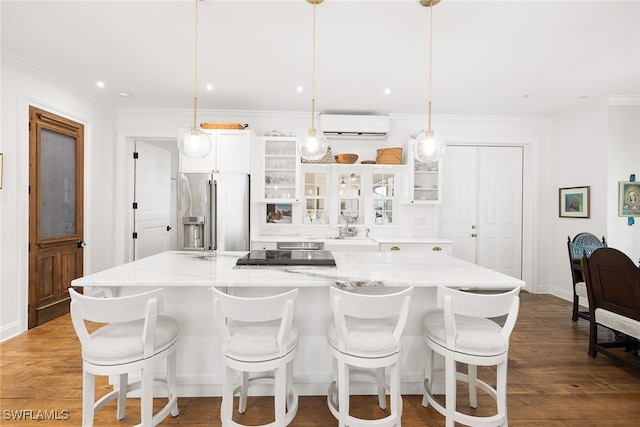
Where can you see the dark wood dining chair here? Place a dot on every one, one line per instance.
(581, 243)
(613, 284)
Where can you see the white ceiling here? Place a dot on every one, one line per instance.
(490, 57)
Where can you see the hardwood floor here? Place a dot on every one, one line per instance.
(552, 381)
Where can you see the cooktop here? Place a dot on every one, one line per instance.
(281, 257)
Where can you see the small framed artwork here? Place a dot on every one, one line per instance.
(629, 198)
(279, 213)
(574, 202)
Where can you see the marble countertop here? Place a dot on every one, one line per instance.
(377, 239)
(188, 269)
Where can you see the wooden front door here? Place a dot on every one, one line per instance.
(56, 158)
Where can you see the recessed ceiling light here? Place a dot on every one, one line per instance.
(124, 95)
(100, 84)
(209, 86)
(299, 89)
(387, 91)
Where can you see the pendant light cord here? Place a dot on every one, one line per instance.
(430, 58)
(195, 79)
(313, 70)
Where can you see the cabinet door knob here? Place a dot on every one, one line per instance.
(436, 248)
(394, 248)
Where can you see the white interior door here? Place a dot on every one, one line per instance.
(482, 206)
(457, 219)
(152, 194)
(500, 209)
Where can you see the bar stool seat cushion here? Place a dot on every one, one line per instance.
(258, 341)
(372, 337)
(118, 343)
(475, 336)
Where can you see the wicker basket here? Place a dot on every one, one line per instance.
(327, 158)
(389, 156)
(222, 126)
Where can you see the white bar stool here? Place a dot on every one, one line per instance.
(462, 331)
(366, 333)
(135, 338)
(258, 336)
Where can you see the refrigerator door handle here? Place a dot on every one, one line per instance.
(213, 214)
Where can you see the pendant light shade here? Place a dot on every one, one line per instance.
(193, 142)
(429, 146)
(314, 146)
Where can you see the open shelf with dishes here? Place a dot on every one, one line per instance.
(425, 181)
(280, 169)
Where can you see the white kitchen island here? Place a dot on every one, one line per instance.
(187, 276)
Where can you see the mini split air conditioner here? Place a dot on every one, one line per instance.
(350, 126)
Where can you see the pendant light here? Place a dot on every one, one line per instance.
(428, 146)
(314, 146)
(193, 142)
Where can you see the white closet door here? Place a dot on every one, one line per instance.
(457, 218)
(482, 206)
(500, 209)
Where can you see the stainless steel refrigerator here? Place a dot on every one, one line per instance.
(213, 212)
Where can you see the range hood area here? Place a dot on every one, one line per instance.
(350, 126)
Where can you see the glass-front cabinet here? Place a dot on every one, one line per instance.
(351, 195)
(315, 197)
(280, 169)
(383, 190)
(349, 190)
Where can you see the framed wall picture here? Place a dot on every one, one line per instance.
(574, 202)
(629, 198)
(279, 213)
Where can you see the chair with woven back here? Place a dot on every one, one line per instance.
(582, 243)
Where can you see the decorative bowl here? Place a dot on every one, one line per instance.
(346, 158)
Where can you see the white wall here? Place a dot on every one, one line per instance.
(19, 90)
(623, 160)
(596, 146)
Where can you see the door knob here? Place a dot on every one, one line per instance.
(474, 235)
(168, 228)
(81, 244)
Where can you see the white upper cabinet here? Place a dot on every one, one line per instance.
(350, 197)
(384, 193)
(230, 153)
(315, 197)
